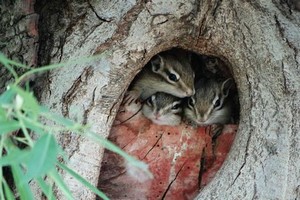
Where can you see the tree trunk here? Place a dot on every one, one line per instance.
(18, 36)
(259, 40)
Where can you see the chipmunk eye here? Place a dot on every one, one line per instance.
(150, 101)
(217, 103)
(173, 77)
(176, 106)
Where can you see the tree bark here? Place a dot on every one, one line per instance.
(258, 39)
(18, 36)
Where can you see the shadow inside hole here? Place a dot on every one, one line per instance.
(182, 158)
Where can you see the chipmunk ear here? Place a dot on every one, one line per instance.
(157, 63)
(226, 85)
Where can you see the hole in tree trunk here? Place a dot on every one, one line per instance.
(185, 154)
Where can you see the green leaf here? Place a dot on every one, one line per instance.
(3, 59)
(30, 103)
(21, 185)
(47, 190)
(7, 97)
(8, 126)
(83, 181)
(2, 114)
(63, 121)
(110, 146)
(60, 119)
(8, 193)
(5, 62)
(137, 165)
(42, 158)
(61, 184)
(80, 60)
(34, 126)
(14, 157)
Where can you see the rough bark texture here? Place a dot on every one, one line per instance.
(18, 35)
(258, 39)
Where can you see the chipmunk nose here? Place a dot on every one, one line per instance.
(202, 118)
(190, 92)
(157, 115)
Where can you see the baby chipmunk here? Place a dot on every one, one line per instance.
(210, 104)
(165, 73)
(163, 109)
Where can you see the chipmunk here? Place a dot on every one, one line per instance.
(165, 73)
(163, 109)
(210, 104)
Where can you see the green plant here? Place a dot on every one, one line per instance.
(38, 161)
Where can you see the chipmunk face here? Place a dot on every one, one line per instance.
(209, 105)
(163, 109)
(177, 73)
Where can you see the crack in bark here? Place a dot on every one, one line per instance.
(74, 19)
(170, 184)
(93, 28)
(132, 116)
(287, 3)
(94, 11)
(159, 23)
(293, 142)
(280, 28)
(297, 192)
(152, 146)
(60, 47)
(86, 36)
(77, 141)
(248, 139)
(249, 30)
(66, 139)
(127, 143)
(255, 188)
(211, 10)
(245, 34)
(291, 5)
(202, 168)
(114, 105)
(71, 93)
(87, 111)
(285, 39)
(216, 6)
(196, 9)
(111, 109)
(123, 27)
(263, 169)
(244, 162)
(292, 47)
(286, 90)
(202, 27)
(290, 8)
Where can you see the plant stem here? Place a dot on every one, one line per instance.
(2, 138)
(24, 129)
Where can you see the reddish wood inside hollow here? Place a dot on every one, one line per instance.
(175, 156)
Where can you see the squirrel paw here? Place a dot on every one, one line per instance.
(131, 96)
